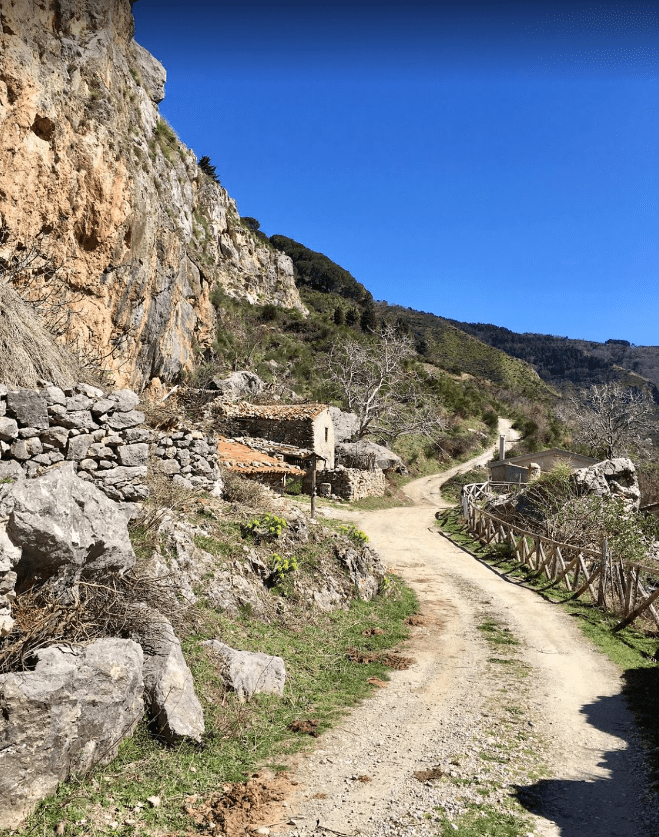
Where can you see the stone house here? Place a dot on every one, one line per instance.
(304, 426)
(520, 468)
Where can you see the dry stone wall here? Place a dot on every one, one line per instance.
(103, 436)
(354, 484)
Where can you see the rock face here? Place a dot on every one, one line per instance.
(168, 685)
(365, 454)
(142, 233)
(67, 715)
(248, 673)
(615, 478)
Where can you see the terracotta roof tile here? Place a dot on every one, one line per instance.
(244, 460)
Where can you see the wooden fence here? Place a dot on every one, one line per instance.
(612, 583)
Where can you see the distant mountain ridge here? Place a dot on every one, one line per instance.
(561, 360)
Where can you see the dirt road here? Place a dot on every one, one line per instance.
(506, 701)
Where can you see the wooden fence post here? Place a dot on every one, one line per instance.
(604, 572)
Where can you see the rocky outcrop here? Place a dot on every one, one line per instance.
(248, 673)
(612, 478)
(346, 424)
(237, 386)
(364, 568)
(68, 714)
(365, 455)
(141, 233)
(168, 685)
(57, 528)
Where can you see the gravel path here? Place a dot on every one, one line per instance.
(536, 717)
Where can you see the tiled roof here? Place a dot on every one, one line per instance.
(243, 460)
(275, 412)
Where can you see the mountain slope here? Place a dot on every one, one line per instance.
(563, 360)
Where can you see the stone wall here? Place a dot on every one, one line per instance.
(103, 435)
(353, 484)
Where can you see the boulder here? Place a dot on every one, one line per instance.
(8, 429)
(345, 424)
(615, 478)
(64, 717)
(237, 386)
(248, 672)
(366, 455)
(365, 570)
(64, 526)
(28, 407)
(168, 685)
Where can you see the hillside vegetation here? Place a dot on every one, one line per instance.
(563, 360)
(470, 382)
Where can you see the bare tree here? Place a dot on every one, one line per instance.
(371, 378)
(610, 419)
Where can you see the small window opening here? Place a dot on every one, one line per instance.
(327, 434)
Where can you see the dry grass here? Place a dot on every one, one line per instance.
(28, 351)
(246, 492)
(92, 611)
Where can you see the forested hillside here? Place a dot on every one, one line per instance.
(561, 360)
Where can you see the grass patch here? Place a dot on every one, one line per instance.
(485, 821)
(322, 682)
(452, 489)
(496, 635)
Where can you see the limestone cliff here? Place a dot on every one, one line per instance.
(143, 234)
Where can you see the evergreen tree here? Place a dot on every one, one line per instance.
(206, 166)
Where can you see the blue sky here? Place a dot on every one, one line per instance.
(488, 162)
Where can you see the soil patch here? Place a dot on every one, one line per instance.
(426, 775)
(395, 661)
(309, 727)
(242, 806)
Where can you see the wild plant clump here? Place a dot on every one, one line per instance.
(356, 535)
(266, 528)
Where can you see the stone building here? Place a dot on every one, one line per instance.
(520, 468)
(306, 426)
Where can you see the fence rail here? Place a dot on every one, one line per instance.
(610, 582)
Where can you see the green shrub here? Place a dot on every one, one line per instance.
(268, 527)
(358, 537)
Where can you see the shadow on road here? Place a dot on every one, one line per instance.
(608, 807)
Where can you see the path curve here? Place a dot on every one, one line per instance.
(486, 724)
(427, 490)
